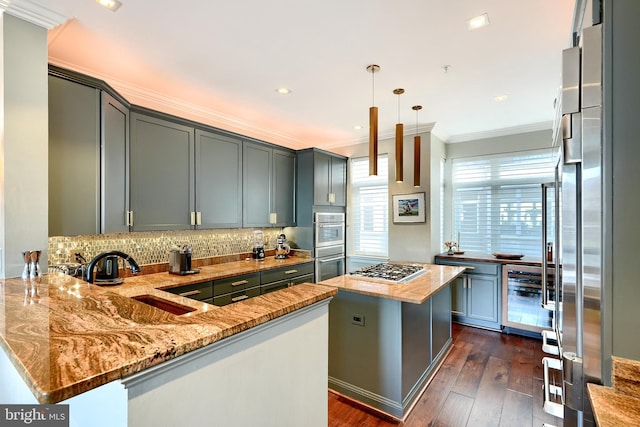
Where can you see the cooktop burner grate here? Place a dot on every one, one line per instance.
(390, 272)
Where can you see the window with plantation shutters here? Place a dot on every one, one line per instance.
(497, 201)
(369, 208)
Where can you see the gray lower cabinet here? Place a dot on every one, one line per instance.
(202, 291)
(475, 296)
(268, 186)
(236, 288)
(218, 180)
(284, 277)
(74, 158)
(162, 178)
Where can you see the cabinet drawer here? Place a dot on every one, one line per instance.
(198, 291)
(478, 267)
(236, 296)
(235, 283)
(289, 272)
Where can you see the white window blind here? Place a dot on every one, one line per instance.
(497, 202)
(369, 208)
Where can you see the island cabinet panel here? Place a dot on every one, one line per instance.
(476, 295)
(218, 180)
(382, 352)
(162, 183)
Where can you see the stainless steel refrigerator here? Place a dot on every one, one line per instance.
(580, 231)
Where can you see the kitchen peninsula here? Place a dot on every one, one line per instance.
(120, 362)
(386, 340)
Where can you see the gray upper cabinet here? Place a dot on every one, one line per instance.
(284, 188)
(330, 180)
(115, 166)
(218, 180)
(74, 158)
(162, 177)
(256, 184)
(268, 186)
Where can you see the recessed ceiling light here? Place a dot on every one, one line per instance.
(112, 5)
(283, 91)
(357, 127)
(478, 22)
(500, 98)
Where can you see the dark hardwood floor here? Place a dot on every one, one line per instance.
(488, 379)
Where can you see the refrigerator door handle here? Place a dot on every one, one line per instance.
(572, 373)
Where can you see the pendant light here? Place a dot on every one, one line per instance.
(373, 124)
(416, 150)
(399, 141)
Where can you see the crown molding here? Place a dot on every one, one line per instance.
(514, 130)
(157, 101)
(33, 13)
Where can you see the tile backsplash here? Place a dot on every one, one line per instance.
(152, 247)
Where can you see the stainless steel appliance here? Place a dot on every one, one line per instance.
(180, 261)
(577, 309)
(391, 272)
(525, 312)
(329, 232)
(282, 247)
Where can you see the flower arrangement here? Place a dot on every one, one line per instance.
(450, 244)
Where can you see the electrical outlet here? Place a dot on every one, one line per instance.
(357, 319)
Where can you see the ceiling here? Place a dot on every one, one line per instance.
(220, 62)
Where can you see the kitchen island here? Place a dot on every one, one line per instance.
(387, 340)
(119, 362)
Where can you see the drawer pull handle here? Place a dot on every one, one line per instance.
(468, 267)
(290, 271)
(190, 293)
(240, 298)
(240, 282)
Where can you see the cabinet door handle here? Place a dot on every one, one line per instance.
(192, 220)
(190, 293)
(198, 218)
(130, 218)
(290, 271)
(240, 298)
(332, 198)
(240, 282)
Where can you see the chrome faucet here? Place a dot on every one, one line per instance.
(135, 268)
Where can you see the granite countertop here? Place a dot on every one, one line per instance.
(618, 405)
(482, 257)
(66, 336)
(416, 291)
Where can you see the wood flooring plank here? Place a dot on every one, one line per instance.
(517, 410)
(470, 375)
(455, 411)
(432, 400)
(521, 377)
(491, 393)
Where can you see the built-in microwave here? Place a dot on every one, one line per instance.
(329, 229)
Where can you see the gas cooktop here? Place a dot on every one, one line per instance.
(390, 272)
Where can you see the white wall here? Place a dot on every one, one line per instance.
(23, 142)
(407, 242)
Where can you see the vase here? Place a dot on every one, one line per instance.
(450, 251)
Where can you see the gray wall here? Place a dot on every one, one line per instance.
(23, 143)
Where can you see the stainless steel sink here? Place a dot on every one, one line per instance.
(163, 304)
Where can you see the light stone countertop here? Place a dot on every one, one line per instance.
(415, 291)
(65, 336)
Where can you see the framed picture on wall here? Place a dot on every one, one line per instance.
(409, 208)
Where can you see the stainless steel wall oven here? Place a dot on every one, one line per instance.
(329, 242)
